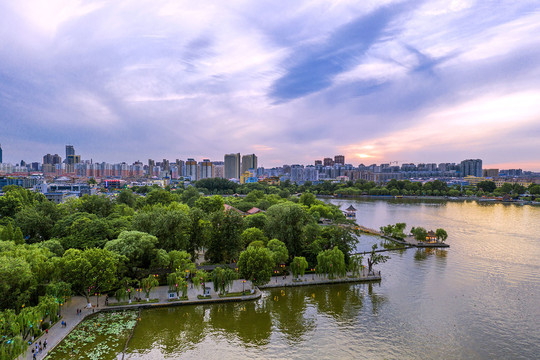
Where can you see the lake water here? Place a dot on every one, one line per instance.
(479, 299)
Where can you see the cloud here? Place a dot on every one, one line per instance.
(294, 81)
(313, 67)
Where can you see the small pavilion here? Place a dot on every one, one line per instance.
(350, 212)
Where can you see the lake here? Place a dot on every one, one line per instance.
(478, 299)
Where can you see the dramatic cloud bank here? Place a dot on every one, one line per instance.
(292, 81)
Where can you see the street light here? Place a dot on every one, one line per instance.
(313, 273)
(243, 282)
(276, 272)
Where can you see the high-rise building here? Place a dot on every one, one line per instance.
(191, 169)
(232, 166)
(52, 159)
(249, 162)
(165, 165)
(0, 153)
(206, 169)
(71, 158)
(328, 162)
(318, 162)
(472, 167)
(339, 159)
(492, 173)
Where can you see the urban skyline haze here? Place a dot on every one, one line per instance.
(376, 81)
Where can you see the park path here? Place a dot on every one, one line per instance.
(69, 311)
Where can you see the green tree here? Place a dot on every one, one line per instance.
(198, 232)
(17, 283)
(332, 263)
(126, 196)
(486, 186)
(286, 222)
(355, 264)
(148, 284)
(181, 260)
(190, 196)
(18, 236)
(375, 258)
(280, 254)
(419, 233)
(8, 234)
(222, 279)
(307, 199)
(256, 264)
(200, 279)
(89, 271)
(441, 234)
(257, 221)
(210, 204)
(177, 283)
(253, 234)
(225, 242)
(138, 247)
(169, 224)
(299, 266)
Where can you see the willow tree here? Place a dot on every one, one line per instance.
(331, 263)
(222, 279)
(299, 266)
(148, 284)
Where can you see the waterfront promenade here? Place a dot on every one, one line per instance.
(69, 311)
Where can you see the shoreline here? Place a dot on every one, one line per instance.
(57, 333)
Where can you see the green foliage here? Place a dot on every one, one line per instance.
(178, 283)
(255, 221)
(355, 264)
(395, 231)
(217, 186)
(375, 258)
(138, 247)
(280, 254)
(148, 284)
(127, 197)
(90, 271)
(222, 279)
(486, 186)
(286, 222)
(253, 234)
(419, 233)
(225, 242)
(256, 264)
(441, 234)
(200, 279)
(190, 196)
(331, 263)
(169, 224)
(210, 204)
(298, 266)
(16, 282)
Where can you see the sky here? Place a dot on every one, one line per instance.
(291, 81)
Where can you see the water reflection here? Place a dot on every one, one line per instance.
(170, 329)
(252, 324)
(289, 313)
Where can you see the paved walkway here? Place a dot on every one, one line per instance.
(69, 310)
(314, 279)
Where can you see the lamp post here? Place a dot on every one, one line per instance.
(313, 273)
(243, 282)
(276, 273)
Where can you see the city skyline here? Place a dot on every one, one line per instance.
(377, 82)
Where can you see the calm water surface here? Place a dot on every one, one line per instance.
(480, 299)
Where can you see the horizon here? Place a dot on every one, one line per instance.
(378, 82)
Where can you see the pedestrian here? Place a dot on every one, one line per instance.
(46, 331)
(40, 348)
(45, 344)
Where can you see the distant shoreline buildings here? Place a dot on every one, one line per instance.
(245, 169)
